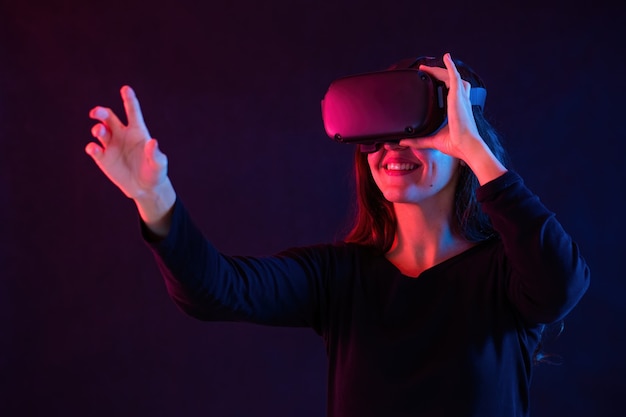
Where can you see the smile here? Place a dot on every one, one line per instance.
(400, 166)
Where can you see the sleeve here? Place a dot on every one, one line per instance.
(548, 275)
(282, 290)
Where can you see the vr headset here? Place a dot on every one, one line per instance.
(385, 106)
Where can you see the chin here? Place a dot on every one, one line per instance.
(402, 198)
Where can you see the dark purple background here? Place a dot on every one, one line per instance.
(232, 91)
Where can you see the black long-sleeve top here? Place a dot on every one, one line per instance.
(456, 341)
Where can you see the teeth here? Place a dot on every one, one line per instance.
(396, 166)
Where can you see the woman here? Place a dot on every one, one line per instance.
(434, 304)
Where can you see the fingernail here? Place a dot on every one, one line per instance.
(99, 113)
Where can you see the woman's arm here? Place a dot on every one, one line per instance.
(280, 290)
(548, 275)
(288, 289)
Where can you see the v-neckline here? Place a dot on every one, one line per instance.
(438, 265)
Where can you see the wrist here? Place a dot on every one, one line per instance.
(155, 207)
(483, 163)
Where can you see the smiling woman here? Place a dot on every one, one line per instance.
(435, 301)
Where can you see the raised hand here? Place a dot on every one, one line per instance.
(131, 159)
(127, 155)
(460, 137)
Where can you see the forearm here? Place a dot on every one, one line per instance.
(483, 162)
(279, 290)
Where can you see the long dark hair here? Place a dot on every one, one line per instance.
(374, 221)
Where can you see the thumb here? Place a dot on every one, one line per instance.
(154, 155)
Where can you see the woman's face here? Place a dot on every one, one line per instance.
(414, 176)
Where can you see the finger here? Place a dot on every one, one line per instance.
(467, 87)
(153, 153)
(457, 84)
(453, 73)
(439, 73)
(95, 151)
(100, 132)
(132, 107)
(106, 116)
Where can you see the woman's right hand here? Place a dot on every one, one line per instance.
(131, 159)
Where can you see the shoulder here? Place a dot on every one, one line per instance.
(334, 263)
(335, 252)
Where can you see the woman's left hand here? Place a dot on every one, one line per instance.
(460, 137)
(461, 131)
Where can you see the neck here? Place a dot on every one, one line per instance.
(423, 239)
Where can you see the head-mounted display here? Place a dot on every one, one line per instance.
(386, 106)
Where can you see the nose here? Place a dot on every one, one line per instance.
(394, 146)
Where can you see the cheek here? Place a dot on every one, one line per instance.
(444, 167)
(442, 161)
(373, 162)
(449, 165)
(373, 159)
(448, 171)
